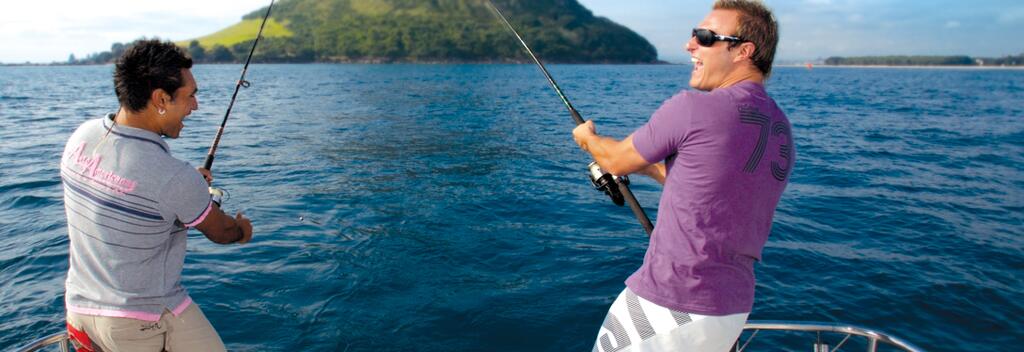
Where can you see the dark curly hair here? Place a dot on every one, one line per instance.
(145, 66)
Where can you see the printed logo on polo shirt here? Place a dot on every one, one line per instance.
(91, 170)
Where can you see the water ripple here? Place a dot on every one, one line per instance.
(445, 206)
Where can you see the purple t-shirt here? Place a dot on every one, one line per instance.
(728, 153)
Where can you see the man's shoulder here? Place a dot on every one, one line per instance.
(701, 99)
(684, 96)
(148, 160)
(743, 91)
(87, 127)
(163, 165)
(685, 100)
(170, 178)
(748, 94)
(85, 133)
(699, 103)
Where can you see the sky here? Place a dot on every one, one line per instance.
(43, 31)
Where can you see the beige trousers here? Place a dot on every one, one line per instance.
(187, 332)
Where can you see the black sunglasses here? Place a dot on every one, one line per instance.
(706, 37)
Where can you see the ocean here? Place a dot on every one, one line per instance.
(446, 208)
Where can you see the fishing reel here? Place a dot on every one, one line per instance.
(607, 183)
(218, 195)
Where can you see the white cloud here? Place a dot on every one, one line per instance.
(49, 30)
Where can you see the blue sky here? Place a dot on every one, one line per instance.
(812, 29)
(50, 30)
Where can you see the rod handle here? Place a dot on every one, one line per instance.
(576, 117)
(638, 211)
(208, 164)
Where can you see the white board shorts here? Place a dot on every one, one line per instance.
(636, 324)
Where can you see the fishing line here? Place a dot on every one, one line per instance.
(616, 187)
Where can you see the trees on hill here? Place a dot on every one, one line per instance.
(433, 31)
(925, 61)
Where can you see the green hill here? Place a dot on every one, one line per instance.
(242, 32)
(425, 31)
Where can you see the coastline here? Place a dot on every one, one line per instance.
(515, 62)
(374, 62)
(943, 67)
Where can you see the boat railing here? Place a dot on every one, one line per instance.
(60, 339)
(874, 337)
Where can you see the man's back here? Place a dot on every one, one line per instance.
(124, 194)
(728, 154)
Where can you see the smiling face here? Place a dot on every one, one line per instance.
(180, 106)
(713, 65)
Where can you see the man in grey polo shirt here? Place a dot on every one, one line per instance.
(129, 205)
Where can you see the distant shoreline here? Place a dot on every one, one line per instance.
(660, 63)
(944, 67)
(372, 62)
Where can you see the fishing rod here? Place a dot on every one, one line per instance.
(616, 187)
(208, 164)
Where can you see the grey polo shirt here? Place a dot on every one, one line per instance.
(129, 204)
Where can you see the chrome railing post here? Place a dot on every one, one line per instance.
(872, 336)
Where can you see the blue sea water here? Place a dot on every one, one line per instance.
(445, 207)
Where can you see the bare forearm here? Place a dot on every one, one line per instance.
(223, 229)
(656, 172)
(600, 148)
(615, 157)
(230, 233)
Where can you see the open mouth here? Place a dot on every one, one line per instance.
(697, 64)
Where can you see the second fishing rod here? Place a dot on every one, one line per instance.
(616, 187)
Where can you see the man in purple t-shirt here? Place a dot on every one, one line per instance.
(724, 156)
